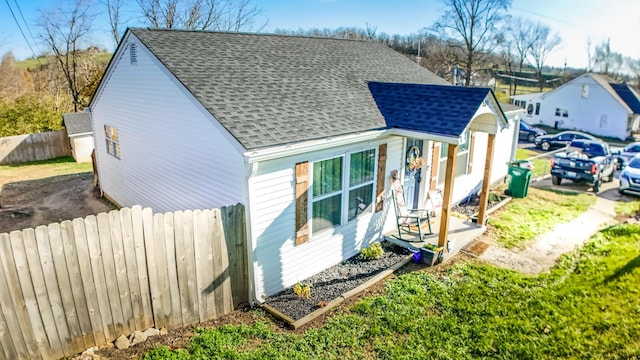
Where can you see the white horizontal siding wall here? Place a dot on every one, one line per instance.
(278, 263)
(585, 113)
(174, 155)
(466, 184)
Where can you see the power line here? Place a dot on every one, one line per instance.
(21, 32)
(25, 23)
(550, 18)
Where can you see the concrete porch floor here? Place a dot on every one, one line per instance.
(461, 233)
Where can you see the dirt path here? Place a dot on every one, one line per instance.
(43, 194)
(545, 251)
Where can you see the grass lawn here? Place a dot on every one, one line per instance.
(627, 208)
(45, 168)
(541, 165)
(524, 219)
(586, 307)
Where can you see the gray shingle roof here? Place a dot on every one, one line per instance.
(77, 123)
(271, 89)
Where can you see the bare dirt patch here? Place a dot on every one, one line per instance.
(32, 201)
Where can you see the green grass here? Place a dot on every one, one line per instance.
(586, 307)
(541, 165)
(540, 211)
(627, 208)
(57, 166)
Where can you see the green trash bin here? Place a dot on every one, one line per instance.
(519, 181)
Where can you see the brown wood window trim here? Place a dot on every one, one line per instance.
(302, 187)
(380, 186)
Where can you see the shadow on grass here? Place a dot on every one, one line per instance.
(628, 268)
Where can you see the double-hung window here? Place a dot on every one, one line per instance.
(462, 162)
(112, 141)
(342, 189)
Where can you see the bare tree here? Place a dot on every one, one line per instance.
(65, 31)
(607, 61)
(227, 15)
(542, 45)
(516, 42)
(471, 23)
(114, 12)
(14, 81)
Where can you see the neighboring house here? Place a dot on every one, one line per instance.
(592, 103)
(78, 126)
(303, 131)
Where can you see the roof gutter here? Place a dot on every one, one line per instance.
(426, 136)
(276, 152)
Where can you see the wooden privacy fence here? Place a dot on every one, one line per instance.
(77, 284)
(33, 147)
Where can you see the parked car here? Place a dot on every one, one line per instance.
(630, 177)
(588, 161)
(561, 139)
(529, 132)
(627, 153)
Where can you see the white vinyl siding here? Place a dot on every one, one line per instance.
(278, 262)
(566, 106)
(174, 155)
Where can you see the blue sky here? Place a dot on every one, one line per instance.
(574, 20)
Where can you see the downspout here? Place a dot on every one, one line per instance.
(516, 136)
(252, 169)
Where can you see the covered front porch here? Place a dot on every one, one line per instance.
(444, 115)
(460, 234)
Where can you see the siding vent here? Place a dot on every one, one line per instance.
(133, 54)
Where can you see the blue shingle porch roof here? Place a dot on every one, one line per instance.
(434, 109)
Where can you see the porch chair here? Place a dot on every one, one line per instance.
(409, 221)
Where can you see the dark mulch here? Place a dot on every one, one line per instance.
(335, 281)
(471, 206)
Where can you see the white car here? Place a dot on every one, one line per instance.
(630, 177)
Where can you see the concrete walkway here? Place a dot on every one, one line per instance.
(543, 254)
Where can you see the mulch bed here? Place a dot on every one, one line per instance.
(335, 281)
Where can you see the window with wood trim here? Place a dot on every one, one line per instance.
(462, 162)
(342, 189)
(112, 141)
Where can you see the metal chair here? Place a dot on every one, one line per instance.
(409, 221)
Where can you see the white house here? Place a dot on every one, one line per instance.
(592, 103)
(78, 126)
(304, 132)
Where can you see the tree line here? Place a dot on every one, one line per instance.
(472, 40)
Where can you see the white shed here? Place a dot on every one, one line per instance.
(78, 126)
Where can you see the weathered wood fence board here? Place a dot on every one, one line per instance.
(32, 147)
(70, 286)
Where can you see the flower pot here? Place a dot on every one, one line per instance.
(429, 257)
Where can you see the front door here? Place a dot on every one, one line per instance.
(414, 160)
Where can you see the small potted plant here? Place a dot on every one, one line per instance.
(430, 254)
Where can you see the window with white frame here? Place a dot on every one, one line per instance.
(462, 161)
(112, 141)
(342, 189)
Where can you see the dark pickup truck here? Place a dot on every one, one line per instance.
(588, 161)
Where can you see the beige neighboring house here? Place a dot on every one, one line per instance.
(78, 127)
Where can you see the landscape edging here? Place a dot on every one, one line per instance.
(295, 324)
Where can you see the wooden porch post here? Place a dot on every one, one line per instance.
(449, 178)
(484, 194)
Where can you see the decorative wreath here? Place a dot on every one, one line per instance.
(414, 161)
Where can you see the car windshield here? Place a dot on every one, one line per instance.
(635, 163)
(524, 126)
